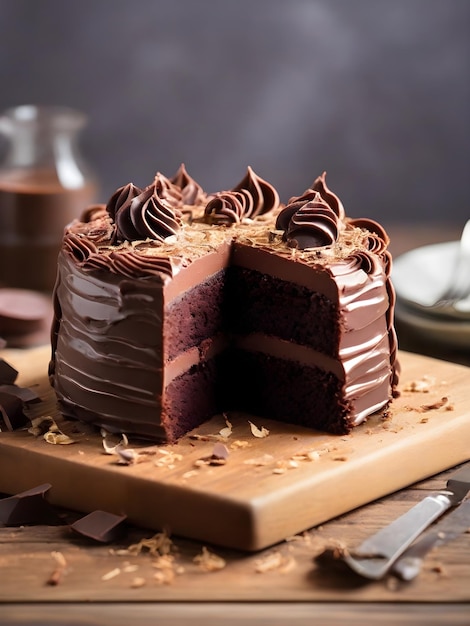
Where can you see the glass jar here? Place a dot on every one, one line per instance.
(44, 185)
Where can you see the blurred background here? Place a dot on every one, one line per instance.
(377, 93)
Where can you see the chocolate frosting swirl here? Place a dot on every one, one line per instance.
(229, 207)
(310, 224)
(192, 193)
(377, 238)
(120, 197)
(168, 190)
(144, 215)
(328, 196)
(265, 196)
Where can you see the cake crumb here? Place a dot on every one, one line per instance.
(265, 459)
(422, 385)
(275, 561)
(209, 561)
(168, 458)
(240, 443)
(138, 582)
(111, 574)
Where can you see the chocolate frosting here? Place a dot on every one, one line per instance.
(265, 196)
(328, 196)
(228, 208)
(310, 224)
(147, 215)
(351, 267)
(192, 193)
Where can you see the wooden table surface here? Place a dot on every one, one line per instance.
(118, 585)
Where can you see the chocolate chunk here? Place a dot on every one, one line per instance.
(28, 508)
(100, 526)
(25, 317)
(12, 402)
(8, 373)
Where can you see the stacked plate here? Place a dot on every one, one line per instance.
(420, 277)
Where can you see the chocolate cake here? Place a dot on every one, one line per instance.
(172, 305)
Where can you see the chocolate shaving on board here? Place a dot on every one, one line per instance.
(101, 526)
(28, 508)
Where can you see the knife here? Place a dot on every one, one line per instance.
(376, 555)
(452, 526)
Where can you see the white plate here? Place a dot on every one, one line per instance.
(419, 277)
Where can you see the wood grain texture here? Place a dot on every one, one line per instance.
(234, 614)
(270, 487)
(27, 560)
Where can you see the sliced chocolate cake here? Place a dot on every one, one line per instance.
(172, 306)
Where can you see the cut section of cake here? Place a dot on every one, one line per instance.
(172, 305)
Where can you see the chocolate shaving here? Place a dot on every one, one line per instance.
(60, 569)
(28, 508)
(434, 405)
(219, 456)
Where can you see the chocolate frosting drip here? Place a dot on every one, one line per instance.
(192, 193)
(148, 215)
(265, 196)
(312, 224)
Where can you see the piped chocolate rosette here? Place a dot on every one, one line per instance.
(251, 198)
(132, 215)
(308, 223)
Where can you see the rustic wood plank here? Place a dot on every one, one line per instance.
(231, 614)
(27, 561)
(241, 505)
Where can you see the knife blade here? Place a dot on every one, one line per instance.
(450, 527)
(376, 555)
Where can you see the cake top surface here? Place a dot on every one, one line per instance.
(164, 227)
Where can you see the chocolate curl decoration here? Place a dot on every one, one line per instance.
(192, 193)
(229, 207)
(310, 225)
(265, 196)
(148, 215)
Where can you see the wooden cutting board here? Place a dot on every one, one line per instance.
(270, 487)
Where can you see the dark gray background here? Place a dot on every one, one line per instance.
(376, 92)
